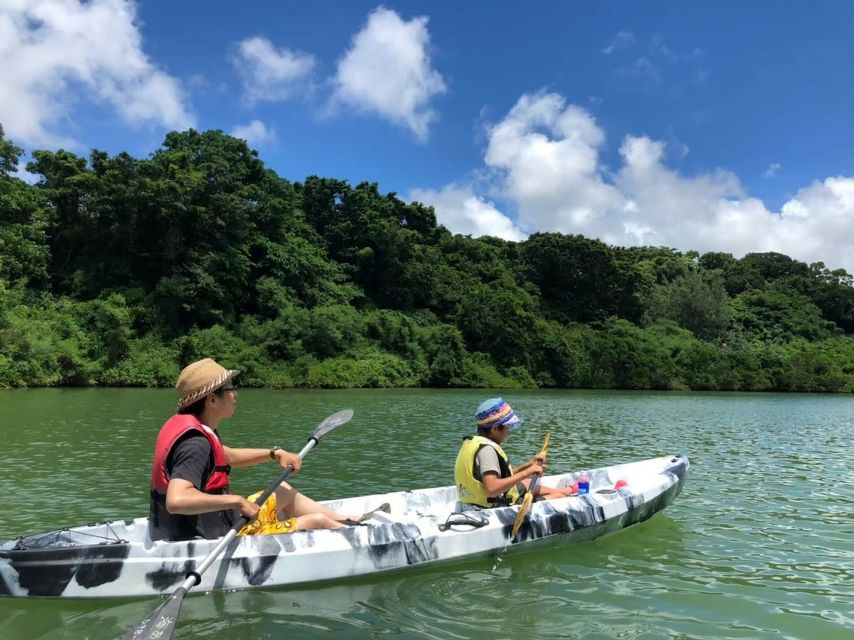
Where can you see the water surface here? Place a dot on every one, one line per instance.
(760, 544)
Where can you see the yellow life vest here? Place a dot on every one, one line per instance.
(471, 490)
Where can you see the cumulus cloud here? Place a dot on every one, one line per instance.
(270, 74)
(459, 209)
(387, 71)
(254, 132)
(544, 155)
(55, 52)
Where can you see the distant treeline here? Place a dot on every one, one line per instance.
(118, 271)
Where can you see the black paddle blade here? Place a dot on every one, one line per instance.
(333, 421)
(160, 625)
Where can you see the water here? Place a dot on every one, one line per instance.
(760, 544)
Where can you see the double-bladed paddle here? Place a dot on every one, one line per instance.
(160, 625)
(529, 495)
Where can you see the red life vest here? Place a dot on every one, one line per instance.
(169, 434)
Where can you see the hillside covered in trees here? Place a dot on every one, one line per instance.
(118, 271)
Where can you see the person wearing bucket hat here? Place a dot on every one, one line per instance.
(482, 471)
(190, 495)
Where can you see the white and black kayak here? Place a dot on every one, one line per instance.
(118, 559)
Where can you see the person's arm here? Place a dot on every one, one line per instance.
(490, 476)
(522, 467)
(249, 457)
(187, 465)
(184, 499)
(496, 486)
(537, 459)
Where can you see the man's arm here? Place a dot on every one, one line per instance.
(186, 467)
(249, 457)
(184, 499)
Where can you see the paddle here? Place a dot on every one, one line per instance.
(160, 625)
(529, 496)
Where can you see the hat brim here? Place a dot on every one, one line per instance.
(514, 422)
(511, 421)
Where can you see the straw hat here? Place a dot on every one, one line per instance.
(199, 379)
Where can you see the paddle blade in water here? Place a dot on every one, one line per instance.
(527, 499)
(160, 625)
(333, 421)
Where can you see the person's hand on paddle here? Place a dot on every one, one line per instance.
(537, 460)
(534, 467)
(285, 458)
(248, 509)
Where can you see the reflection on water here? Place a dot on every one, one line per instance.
(758, 545)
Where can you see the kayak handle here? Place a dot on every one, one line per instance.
(458, 519)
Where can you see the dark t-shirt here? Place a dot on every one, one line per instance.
(191, 459)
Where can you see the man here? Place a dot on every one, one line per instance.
(482, 472)
(191, 467)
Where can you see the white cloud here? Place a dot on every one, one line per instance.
(254, 132)
(55, 52)
(772, 170)
(22, 174)
(388, 71)
(459, 209)
(544, 155)
(621, 40)
(268, 73)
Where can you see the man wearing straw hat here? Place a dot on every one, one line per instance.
(189, 475)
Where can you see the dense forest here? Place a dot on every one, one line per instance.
(118, 271)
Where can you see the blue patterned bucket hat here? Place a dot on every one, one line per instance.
(495, 413)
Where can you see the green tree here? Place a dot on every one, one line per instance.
(696, 301)
(777, 314)
(496, 318)
(580, 280)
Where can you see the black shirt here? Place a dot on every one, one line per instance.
(191, 459)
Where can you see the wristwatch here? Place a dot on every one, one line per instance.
(273, 452)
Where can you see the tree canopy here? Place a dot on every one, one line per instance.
(117, 270)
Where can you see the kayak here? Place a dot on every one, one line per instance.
(118, 559)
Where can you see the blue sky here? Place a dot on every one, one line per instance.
(710, 126)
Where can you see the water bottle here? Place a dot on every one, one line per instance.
(583, 485)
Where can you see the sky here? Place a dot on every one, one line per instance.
(707, 126)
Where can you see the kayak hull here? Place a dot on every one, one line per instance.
(118, 559)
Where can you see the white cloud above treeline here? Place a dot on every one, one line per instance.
(467, 213)
(388, 71)
(269, 73)
(254, 132)
(544, 160)
(54, 53)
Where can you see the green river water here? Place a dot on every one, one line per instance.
(760, 543)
